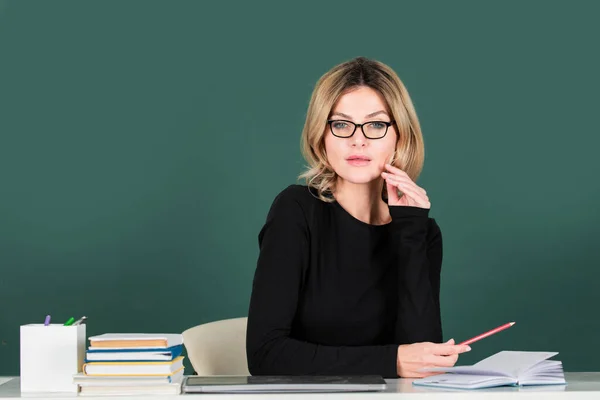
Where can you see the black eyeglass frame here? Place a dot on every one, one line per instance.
(387, 127)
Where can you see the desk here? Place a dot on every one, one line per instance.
(581, 385)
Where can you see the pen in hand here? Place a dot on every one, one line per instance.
(488, 333)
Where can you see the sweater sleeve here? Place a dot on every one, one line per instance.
(418, 241)
(284, 257)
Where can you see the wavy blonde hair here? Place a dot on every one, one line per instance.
(409, 154)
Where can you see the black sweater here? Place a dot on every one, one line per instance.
(333, 295)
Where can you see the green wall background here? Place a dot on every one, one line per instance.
(142, 142)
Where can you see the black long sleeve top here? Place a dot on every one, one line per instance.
(333, 295)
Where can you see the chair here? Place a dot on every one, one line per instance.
(218, 348)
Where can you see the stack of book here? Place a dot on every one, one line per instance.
(132, 364)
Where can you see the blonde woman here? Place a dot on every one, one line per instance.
(348, 276)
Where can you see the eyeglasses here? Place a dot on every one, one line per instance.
(371, 129)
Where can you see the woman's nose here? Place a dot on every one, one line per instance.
(358, 139)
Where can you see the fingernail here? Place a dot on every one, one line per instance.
(468, 348)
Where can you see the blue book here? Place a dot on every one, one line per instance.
(133, 355)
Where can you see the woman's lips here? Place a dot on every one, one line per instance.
(358, 161)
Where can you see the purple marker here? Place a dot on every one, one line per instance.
(47, 320)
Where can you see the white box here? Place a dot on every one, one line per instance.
(50, 356)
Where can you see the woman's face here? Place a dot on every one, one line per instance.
(358, 159)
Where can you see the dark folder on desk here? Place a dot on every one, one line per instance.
(282, 384)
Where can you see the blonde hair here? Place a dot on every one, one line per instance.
(409, 154)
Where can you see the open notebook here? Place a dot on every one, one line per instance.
(501, 369)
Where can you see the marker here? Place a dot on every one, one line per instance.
(47, 320)
(69, 321)
(488, 333)
(80, 321)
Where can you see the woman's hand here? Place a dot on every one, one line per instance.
(413, 195)
(413, 357)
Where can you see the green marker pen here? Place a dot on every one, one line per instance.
(70, 321)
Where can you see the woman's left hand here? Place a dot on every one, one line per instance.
(413, 195)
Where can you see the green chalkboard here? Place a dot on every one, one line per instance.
(142, 142)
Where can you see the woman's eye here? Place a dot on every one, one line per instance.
(377, 125)
(340, 125)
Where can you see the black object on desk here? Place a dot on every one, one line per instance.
(283, 384)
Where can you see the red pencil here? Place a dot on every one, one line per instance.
(488, 333)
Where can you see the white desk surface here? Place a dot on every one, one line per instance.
(580, 385)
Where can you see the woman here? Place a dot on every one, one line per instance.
(348, 276)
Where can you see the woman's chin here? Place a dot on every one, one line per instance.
(358, 179)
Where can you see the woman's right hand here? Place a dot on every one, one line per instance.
(413, 357)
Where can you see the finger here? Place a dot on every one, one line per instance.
(445, 361)
(425, 374)
(399, 172)
(401, 175)
(395, 170)
(419, 197)
(416, 197)
(432, 373)
(409, 198)
(449, 349)
(392, 193)
(434, 361)
(442, 361)
(401, 180)
(405, 181)
(405, 187)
